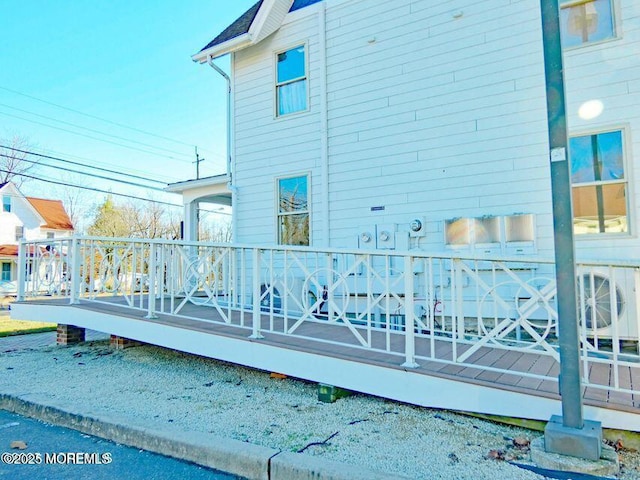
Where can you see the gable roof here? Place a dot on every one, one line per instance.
(237, 28)
(251, 27)
(53, 213)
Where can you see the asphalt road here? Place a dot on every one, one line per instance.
(57, 453)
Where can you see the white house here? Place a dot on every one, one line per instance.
(27, 218)
(373, 114)
(418, 127)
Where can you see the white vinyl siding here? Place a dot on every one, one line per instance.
(428, 116)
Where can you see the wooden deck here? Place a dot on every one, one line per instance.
(337, 341)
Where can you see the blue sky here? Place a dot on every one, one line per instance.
(125, 61)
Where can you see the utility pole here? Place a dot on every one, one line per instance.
(197, 162)
(569, 434)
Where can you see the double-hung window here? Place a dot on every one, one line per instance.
(6, 203)
(291, 81)
(293, 210)
(6, 272)
(19, 232)
(599, 184)
(586, 21)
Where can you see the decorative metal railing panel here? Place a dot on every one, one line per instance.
(412, 305)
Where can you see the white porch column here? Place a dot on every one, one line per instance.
(191, 221)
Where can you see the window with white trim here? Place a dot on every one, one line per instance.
(586, 21)
(6, 272)
(291, 81)
(19, 233)
(6, 203)
(293, 210)
(598, 183)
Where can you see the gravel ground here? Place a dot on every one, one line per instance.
(164, 389)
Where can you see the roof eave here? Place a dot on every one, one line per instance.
(180, 187)
(268, 19)
(233, 45)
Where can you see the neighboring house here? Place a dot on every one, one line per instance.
(30, 219)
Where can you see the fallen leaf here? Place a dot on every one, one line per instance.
(18, 445)
(521, 442)
(496, 455)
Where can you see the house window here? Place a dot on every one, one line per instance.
(19, 233)
(6, 272)
(6, 203)
(293, 210)
(599, 183)
(586, 21)
(291, 81)
(50, 235)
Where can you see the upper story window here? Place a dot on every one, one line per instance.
(586, 21)
(19, 233)
(291, 81)
(599, 183)
(293, 210)
(51, 235)
(6, 203)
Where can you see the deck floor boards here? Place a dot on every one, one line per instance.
(337, 340)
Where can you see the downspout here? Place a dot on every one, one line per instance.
(324, 127)
(230, 184)
(228, 80)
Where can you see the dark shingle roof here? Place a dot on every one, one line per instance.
(237, 28)
(242, 24)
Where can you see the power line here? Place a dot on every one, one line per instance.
(97, 118)
(101, 177)
(98, 190)
(99, 132)
(79, 164)
(47, 151)
(93, 138)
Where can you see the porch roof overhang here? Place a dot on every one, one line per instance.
(214, 189)
(256, 24)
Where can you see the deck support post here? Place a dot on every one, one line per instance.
(256, 295)
(570, 436)
(409, 314)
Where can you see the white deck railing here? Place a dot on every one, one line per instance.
(420, 307)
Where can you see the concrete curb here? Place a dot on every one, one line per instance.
(253, 462)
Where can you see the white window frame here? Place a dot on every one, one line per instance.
(19, 232)
(279, 214)
(613, 5)
(2, 271)
(628, 180)
(278, 84)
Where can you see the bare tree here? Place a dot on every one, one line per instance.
(150, 220)
(75, 200)
(215, 230)
(13, 160)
